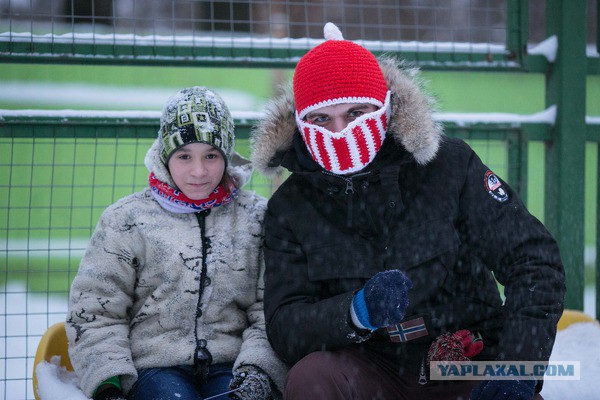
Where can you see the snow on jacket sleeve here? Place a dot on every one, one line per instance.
(97, 324)
(524, 258)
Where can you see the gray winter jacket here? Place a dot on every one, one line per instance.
(135, 299)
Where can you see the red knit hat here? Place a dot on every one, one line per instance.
(337, 71)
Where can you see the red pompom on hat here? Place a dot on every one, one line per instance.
(337, 71)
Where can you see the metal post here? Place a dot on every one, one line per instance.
(517, 29)
(517, 163)
(598, 233)
(565, 155)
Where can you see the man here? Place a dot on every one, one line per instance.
(384, 244)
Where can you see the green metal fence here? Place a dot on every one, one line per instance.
(260, 33)
(60, 169)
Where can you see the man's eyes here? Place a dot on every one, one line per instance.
(322, 119)
(319, 119)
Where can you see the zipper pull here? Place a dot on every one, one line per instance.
(422, 375)
(349, 186)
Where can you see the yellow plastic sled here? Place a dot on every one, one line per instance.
(53, 343)
(573, 316)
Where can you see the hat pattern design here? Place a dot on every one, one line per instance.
(195, 115)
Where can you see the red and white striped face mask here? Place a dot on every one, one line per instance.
(351, 149)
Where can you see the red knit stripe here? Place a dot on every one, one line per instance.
(323, 151)
(361, 144)
(306, 137)
(384, 121)
(375, 132)
(342, 152)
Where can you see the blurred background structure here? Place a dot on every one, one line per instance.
(82, 83)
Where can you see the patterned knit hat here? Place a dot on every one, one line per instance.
(337, 71)
(195, 115)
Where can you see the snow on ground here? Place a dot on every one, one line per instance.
(26, 316)
(578, 342)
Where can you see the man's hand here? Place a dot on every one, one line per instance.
(382, 301)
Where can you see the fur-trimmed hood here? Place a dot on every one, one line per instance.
(411, 121)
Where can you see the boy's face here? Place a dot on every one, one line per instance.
(336, 117)
(197, 169)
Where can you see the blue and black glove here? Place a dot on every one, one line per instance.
(382, 301)
(504, 390)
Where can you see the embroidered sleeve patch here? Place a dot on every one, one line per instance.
(408, 330)
(494, 187)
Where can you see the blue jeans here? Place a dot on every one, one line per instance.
(179, 383)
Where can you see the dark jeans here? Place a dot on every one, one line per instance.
(179, 383)
(355, 374)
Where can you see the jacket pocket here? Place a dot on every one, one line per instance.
(419, 244)
(342, 260)
(426, 253)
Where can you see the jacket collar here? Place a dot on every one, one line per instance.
(411, 123)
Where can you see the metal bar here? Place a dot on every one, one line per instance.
(516, 29)
(598, 233)
(272, 54)
(517, 164)
(592, 133)
(124, 124)
(73, 126)
(593, 66)
(565, 154)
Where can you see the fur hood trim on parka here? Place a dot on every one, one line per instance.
(411, 121)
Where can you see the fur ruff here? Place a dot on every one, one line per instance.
(411, 122)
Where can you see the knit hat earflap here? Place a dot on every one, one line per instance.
(337, 71)
(195, 115)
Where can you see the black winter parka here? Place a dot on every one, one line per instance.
(426, 205)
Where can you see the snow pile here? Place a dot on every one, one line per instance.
(548, 48)
(578, 342)
(55, 382)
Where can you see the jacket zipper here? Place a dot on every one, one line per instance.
(349, 191)
(348, 180)
(422, 374)
(200, 344)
